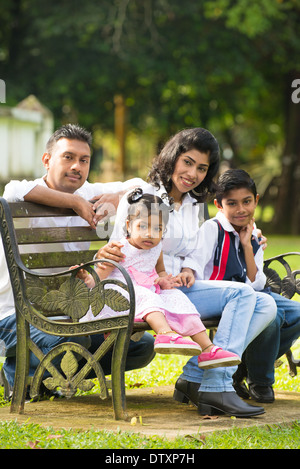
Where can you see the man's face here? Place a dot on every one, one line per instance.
(68, 165)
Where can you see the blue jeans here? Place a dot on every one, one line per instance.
(273, 342)
(243, 314)
(139, 354)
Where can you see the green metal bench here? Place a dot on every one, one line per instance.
(287, 284)
(40, 298)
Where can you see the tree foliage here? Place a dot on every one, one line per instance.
(226, 65)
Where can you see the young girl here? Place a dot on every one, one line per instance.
(167, 310)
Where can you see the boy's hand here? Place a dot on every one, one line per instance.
(246, 234)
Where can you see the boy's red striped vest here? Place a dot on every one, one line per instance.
(228, 263)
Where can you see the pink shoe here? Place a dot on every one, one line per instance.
(175, 344)
(217, 357)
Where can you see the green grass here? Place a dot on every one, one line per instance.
(28, 435)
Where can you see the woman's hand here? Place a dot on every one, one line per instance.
(186, 277)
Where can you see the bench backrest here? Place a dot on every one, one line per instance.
(52, 256)
(42, 283)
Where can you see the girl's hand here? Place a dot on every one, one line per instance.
(167, 283)
(85, 276)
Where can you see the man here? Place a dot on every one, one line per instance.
(67, 161)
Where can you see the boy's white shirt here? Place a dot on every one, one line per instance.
(208, 239)
(15, 191)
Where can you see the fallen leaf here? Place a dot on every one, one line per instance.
(33, 444)
(54, 437)
(199, 438)
(210, 417)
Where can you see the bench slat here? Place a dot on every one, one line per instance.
(56, 259)
(28, 210)
(55, 235)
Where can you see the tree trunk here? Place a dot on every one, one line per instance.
(287, 208)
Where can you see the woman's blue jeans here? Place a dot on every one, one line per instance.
(243, 314)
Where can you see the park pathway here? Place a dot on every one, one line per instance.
(151, 411)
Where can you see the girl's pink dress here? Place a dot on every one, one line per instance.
(180, 313)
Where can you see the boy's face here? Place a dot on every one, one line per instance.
(238, 207)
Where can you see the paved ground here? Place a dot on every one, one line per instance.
(155, 411)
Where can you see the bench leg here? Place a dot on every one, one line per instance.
(118, 376)
(22, 368)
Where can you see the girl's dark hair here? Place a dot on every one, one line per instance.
(234, 179)
(184, 141)
(145, 205)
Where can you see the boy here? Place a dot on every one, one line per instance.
(230, 251)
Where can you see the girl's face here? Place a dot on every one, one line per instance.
(145, 232)
(190, 170)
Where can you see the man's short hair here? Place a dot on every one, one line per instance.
(70, 131)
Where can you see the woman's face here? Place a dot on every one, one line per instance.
(190, 170)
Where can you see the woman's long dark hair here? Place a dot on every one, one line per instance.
(164, 164)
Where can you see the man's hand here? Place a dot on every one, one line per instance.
(85, 210)
(105, 206)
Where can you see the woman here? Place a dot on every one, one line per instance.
(183, 173)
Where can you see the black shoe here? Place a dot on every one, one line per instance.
(238, 382)
(214, 403)
(241, 390)
(186, 391)
(261, 393)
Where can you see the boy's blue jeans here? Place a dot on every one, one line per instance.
(139, 354)
(243, 313)
(273, 342)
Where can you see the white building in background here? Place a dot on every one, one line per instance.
(24, 132)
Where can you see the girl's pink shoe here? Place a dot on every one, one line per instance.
(217, 357)
(175, 344)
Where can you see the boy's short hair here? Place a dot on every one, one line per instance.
(234, 179)
(72, 132)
